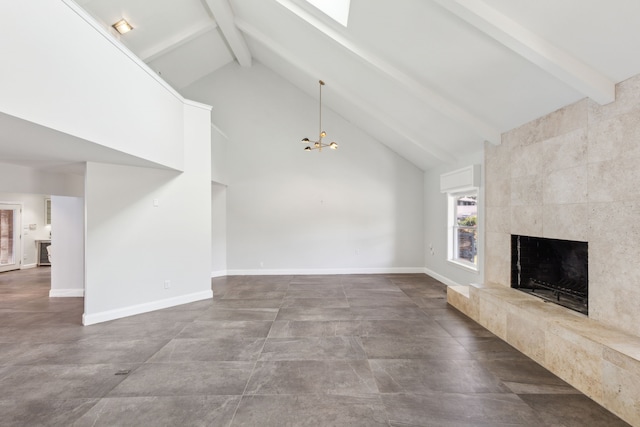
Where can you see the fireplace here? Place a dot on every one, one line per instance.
(551, 269)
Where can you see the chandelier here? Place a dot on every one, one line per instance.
(319, 145)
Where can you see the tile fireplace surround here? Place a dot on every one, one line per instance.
(570, 175)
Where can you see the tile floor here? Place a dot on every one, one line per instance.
(357, 350)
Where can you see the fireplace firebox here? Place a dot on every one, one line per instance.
(554, 270)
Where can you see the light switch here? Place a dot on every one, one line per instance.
(156, 203)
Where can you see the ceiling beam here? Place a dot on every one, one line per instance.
(167, 45)
(221, 10)
(534, 48)
(431, 150)
(426, 94)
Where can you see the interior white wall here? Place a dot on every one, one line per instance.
(32, 213)
(436, 211)
(22, 179)
(356, 209)
(133, 246)
(67, 246)
(75, 77)
(218, 229)
(219, 165)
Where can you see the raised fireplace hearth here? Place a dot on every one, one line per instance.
(554, 270)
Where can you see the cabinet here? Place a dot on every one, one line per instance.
(41, 249)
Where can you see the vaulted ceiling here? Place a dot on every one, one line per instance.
(431, 79)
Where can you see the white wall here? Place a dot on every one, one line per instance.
(218, 229)
(22, 179)
(62, 72)
(356, 209)
(219, 164)
(133, 247)
(68, 75)
(32, 213)
(435, 209)
(67, 247)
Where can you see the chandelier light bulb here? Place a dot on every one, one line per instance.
(319, 145)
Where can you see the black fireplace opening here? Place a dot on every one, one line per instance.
(554, 270)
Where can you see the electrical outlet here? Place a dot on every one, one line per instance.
(167, 284)
(261, 264)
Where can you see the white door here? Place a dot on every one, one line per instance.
(10, 236)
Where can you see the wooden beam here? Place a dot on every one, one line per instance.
(534, 48)
(428, 95)
(221, 10)
(167, 45)
(431, 149)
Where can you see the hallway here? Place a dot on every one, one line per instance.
(353, 350)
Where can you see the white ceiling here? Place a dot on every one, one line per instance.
(432, 79)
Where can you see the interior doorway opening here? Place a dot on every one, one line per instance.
(10, 236)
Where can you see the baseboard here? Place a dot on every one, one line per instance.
(303, 272)
(105, 316)
(323, 271)
(219, 273)
(66, 293)
(440, 278)
(26, 266)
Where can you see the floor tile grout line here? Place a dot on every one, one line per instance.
(255, 364)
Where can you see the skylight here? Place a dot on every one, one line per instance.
(338, 10)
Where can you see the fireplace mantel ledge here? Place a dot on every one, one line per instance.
(601, 361)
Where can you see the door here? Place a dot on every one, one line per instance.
(10, 248)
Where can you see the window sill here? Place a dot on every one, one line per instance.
(465, 265)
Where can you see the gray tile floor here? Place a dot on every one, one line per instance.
(357, 350)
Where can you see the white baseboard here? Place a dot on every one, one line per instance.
(303, 272)
(219, 273)
(66, 293)
(104, 316)
(322, 271)
(439, 277)
(26, 266)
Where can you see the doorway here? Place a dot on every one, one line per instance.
(10, 236)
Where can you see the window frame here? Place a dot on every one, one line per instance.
(47, 211)
(453, 227)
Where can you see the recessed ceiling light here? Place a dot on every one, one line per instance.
(122, 26)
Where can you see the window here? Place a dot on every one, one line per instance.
(47, 211)
(463, 228)
(338, 10)
(462, 189)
